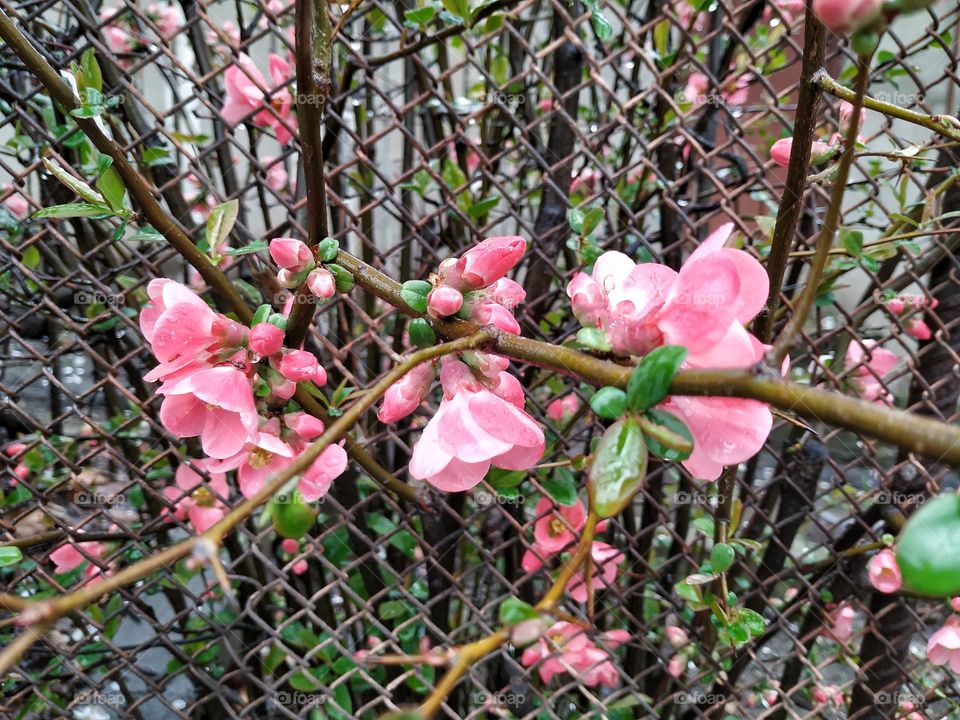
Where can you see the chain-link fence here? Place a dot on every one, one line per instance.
(446, 123)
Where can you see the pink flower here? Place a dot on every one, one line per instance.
(474, 428)
(944, 645)
(215, 403)
(16, 203)
(820, 152)
(606, 561)
(247, 93)
(490, 313)
(955, 604)
(443, 301)
(917, 328)
(166, 17)
(846, 117)
(780, 152)
(299, 567)
(277, 178)
(841, 623)
(196, 499)
(259, 460)
(405, 396)
(868, 364)
(563, 408)
(843, 16)
(556, 526)
(177, 323)
(677, 636)
(506, 292)
(318, 478)
(488, 261)
(290, 254)
(70, 556)
(565, 647)
(301, 366)
(883, 572)
(289, 546)
(321, 283)
(585, 182)
(266, 339)
(306, 426)
(677, 666)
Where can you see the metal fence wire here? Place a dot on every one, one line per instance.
(440, 131)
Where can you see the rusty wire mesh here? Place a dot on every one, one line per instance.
(511, 111)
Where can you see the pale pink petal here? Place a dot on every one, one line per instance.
(702, 304)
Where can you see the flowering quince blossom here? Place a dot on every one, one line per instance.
(606, 561)
(562, 409)
(868, 364)
(883, 572)
(71, 556)
(703, 308)
(944, 645)
(247, 92)
(196, 499)
(16, 203)
(841, 621)
(843, 16)
(565, 647)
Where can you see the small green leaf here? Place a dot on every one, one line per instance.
(591, 220)
(421, 333)
(111, 187)
(71, 210)
(667, 436)
(575, 218)
(924, 550)
(514, 610)
(505, 479)
(254, 247)
(261, 315)
(594, 339)
(342, 277)
(327, 250)
(414, 293)
(609, 402)
(721, 558)
(420, 16)
(617, 468)
(221, 222)
(561, 487)
(650, 382)
(10, 555)
(78, 186)
(91, 70)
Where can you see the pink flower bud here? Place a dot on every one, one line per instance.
(443, 301)
(587, 299)
(290, 253)
(299, 567)
(896, 306)
(280, 387)
(917, 328)
(883, 571)
(843, 16)
(289, 545)
(563, 408)
(322, 283)
(677, 636)
(955, 604)
(846, 116)
(266, 339)
(16, 203)
(676, 666)
(298, 365)
(820, 696)
(229, 332)
(289, 279)
(306, 426)
(506, 292)
(488, 313)
(487, 262)
(780, 152)
(404, 396)
(527, 631)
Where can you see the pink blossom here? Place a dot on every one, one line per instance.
(443, 301)
(16, 203)
(321, 283)
(585, 182)
(825, 694)
(70, 556)
(868, 364)
(565, 647)
(266, 339)
(917, 328)
(506, 292)
(289, 546)
(119, 40)
(247, 93)
(306, 426)
(277, 178)
(318, 478)
(846, 117)
(176, 323)
(215, 403)
(677, 636)
(405, 396)
(883, 571)
(301, 366)
(556, 526)
(843, 16)
(820, 152)
(944, 645)
(955, 604)
(167, 18)
(474, 428)
(563, 408)
(488, 261)
(490, 313)
(290, 254)
(606, 561)
(299, 567)
(841, 623)
(256, 462)
(677, 666)
(197, 499)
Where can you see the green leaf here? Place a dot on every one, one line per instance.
(561, 487)
(753, 621)
(457, 8)
(420, 16)
(342, 277)
(482, 207)
(852, 241)
(721, 558)
(76, 185)
(594, 338)
(575, 218)
(10, 555)
(254, 247)
(327, 249)
(617, 468)
(609, 402)
(650, 382)
(220, 222)
(111, 187)
(591, 220)
(91, 70)
(147, 234)
(505, 479)
(71, 210)
(514, 610)
(601, 25)
(673, 428)
(925, 551)
(421, 333)
(414, 293)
